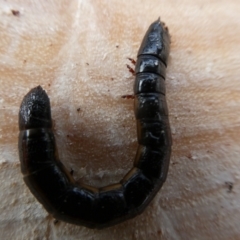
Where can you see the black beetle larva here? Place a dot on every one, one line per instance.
(53, 185)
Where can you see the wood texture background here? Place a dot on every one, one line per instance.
(77, 50)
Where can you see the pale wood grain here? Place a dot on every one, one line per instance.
(77, 51)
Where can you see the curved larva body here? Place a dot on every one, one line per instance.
(55, 188)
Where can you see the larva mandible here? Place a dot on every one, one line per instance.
(52, 184)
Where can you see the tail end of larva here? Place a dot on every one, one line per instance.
(35, 111)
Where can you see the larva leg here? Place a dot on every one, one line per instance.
(131, 70)
(132, 61)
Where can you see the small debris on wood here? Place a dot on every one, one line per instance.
(55, 221)
(16, 13)
(230, 186)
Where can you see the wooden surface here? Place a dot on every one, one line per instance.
(77, 51)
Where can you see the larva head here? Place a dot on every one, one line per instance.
(35, 111)
(156, 41)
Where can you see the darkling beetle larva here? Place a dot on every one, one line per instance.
(53, 185)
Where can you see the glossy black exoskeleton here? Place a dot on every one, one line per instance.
(53, 185)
